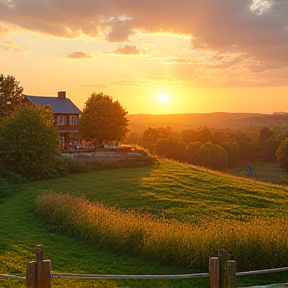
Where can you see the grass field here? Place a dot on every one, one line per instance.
(171, 190)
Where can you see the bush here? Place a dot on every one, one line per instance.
(29, 143)
(6, 188)
(9, 183)
(65, 166)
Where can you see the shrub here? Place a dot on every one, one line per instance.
(6, 188)
(65, 166)
(9, 183)
(29, 143)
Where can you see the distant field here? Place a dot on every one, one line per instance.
(170, 189)
(264, 172)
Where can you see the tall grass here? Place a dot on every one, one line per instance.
(255, 244)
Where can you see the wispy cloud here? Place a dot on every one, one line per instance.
(79, 55)
(127, 50)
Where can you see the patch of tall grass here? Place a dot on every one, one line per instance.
(256, 243)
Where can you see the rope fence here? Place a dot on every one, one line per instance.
(103, 276)
(222, 273)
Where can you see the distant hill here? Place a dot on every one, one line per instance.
(218, 120)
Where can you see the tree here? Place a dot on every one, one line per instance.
(150, 136)
(189, 136)
(265, 134)
(213, 156)
(103, 120)
(29, 142)
(171, 149)
(193, 153)
(231, 146)
(282, 154)
(10, 95)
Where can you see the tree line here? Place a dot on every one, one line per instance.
(216, 149)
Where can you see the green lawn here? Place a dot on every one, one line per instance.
(171, 189)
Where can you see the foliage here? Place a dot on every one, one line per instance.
(231, 146)
(237, 145)
(103, 120)
(6, 188)
(10, 183)
(282, 154)
(10, 95)
(193, 153)
(265, 134)
(29, 143)
(152, 137)
(170, 149)
(213, 156)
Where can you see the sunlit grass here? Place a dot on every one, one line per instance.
(171, 190)
(168, 241)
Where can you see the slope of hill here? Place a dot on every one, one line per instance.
(171, 189)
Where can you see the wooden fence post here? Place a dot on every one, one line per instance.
(214, 272)
(223, 258)
(38, 272)
(31, 278)
(231, 274)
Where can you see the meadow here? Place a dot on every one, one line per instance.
(190, 195)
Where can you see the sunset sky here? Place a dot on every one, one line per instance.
(206, 55)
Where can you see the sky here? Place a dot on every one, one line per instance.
(206, 55)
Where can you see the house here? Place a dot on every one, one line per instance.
(66, 117)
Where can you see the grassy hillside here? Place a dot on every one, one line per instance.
(171, 189)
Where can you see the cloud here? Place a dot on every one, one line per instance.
(255, 29)
(79, 55)
(127, 50)
(8, 45)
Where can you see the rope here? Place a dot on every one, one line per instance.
(12, 277)
(181, 276)
(265, 271)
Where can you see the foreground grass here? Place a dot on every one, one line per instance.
(170, 189)
(21, 231)
(168, 241)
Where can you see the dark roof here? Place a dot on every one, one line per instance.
(64, 106)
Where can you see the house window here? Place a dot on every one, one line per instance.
(72, 120)
(61, 120)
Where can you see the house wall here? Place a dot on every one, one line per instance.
(67, 126)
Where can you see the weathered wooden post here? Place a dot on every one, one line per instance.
(231, 274)
(214, 272)
(223, 259)
(38, 272)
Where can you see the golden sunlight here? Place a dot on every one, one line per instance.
(163, 98)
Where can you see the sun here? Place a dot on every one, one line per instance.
(163, 98)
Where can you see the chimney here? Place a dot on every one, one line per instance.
(61, 94)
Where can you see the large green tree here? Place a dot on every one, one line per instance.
(29, 142)
(10, 95)
(103, 120)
